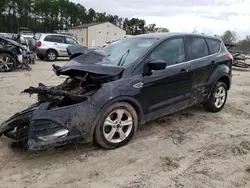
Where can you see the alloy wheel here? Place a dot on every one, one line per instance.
(220, 97)
(117, 126)
(6, 63)
(51, 56)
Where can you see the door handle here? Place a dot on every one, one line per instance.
(183, 71)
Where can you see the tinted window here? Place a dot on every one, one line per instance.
(69, 40)
(48, 38)
(214, 45)
(58, 39)
(171, 51)
(197, 47)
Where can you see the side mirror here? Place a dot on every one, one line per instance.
(157, 65)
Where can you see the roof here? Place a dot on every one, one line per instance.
(92, 24)
(172, 34)
(85, 25)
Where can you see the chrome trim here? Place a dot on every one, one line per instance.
(138, 85)
(197, 58)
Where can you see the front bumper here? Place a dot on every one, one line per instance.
(41, 128)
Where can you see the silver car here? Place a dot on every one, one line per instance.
(51, 46)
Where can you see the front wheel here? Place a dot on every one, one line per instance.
(116, 126)
(7, 62)
(217, 99)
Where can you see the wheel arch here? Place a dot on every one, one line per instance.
(7, 52)
(226, 80)
(130, 100)
(53, 50)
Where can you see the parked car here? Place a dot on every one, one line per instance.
(110, 91)
(51, 46)
(24, 35)
(107, 43)
(10, 54)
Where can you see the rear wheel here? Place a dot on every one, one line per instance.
(40, 56)
(7, 62)
(51, 55)
(217, 99)
(116, 126)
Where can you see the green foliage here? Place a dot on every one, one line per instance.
(49, 15)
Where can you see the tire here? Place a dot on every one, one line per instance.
(212, 104)
(51, 55)
(40, 56)
(129, 128)
(7, 62)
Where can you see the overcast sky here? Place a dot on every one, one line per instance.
(209, 16)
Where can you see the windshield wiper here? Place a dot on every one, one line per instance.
(122, 62)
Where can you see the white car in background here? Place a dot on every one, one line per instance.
(51, 46)
(24, 35)
(107, 43)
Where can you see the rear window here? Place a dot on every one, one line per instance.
(197, 47)
(214, 45)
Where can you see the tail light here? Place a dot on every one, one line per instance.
(229, 56)
(39, 43)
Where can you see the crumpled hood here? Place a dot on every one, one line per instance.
(92, 61)
(10, 41)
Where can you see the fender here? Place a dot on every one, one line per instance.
(52, 49)
(219, 72)
(128, 99)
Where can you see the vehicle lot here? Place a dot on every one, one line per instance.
(191, 148)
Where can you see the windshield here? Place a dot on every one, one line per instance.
(126, 51)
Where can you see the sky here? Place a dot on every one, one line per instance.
(207, 16)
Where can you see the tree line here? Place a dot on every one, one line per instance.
(50, 15)
(231, 37)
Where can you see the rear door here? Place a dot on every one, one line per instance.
(202, 63)
(60, 44)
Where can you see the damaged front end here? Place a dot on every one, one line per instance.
(63, 113)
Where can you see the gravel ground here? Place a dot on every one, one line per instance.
(191, 148)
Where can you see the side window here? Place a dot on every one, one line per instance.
(58, 39)
(214, 45)
(171, 51)
(48, 38)
(197, 47)
(69, 40)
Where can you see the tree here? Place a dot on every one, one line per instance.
(49, 15)
(150, 28)
(230, 37)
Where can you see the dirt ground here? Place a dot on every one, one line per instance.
(191, 148)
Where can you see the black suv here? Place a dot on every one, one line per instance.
(110, 91)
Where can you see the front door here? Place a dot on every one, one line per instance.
(169, 90)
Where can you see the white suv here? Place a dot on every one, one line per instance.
(51, 46)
